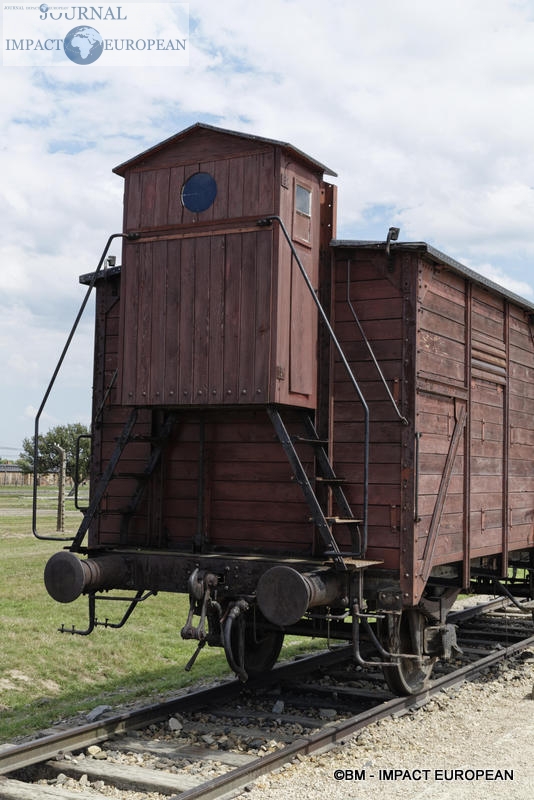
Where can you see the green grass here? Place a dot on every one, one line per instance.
(46, 676)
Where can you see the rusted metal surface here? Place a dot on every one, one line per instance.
(284, 595)
(68, 576)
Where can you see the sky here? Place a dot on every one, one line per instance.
(424, 108)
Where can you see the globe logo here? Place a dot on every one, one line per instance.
(43, 8)
(83, 45)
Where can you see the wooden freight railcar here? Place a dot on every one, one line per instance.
(301, 433)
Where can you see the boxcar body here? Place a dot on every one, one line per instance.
(299, 432)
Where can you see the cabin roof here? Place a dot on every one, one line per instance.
(440, 258)
(121, 169)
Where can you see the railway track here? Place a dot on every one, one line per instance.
(211, 743)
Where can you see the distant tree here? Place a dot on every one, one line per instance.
(65, 436)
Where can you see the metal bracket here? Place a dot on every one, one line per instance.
(200, 586)
(140, 597)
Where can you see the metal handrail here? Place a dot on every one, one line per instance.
(129, 236)
(77, 471)
(263, 223)
(370, 349)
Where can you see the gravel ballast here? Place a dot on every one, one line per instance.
(471, 743)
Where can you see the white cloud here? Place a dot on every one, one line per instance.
(495, 274)
(425, 109)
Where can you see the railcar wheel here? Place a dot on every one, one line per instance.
(404, 634)
(253, 647)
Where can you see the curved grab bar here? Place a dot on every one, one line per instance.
(128, 236)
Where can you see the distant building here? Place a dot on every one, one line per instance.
(12, 475)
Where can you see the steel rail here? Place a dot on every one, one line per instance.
(465, 614)
(334, 734)
(25, 754)
(33, 752)
(18, 756)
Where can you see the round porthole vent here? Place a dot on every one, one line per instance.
(199, 192)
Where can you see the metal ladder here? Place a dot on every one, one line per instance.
(110, 473)
(328, 478)
(326, 532)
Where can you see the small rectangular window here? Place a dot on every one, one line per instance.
(302, 200)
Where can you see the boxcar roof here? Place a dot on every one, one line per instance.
(105, 272)
(126, 165)
(440, 258)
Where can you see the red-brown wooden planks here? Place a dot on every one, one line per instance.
(221, 317)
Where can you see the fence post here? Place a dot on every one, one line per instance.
(60, 527)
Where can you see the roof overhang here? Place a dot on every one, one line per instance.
(121, 169)
(438, 257)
